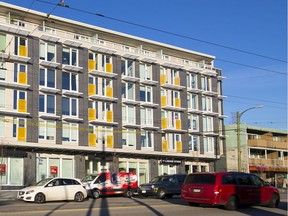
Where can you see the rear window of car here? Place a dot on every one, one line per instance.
(200, 179)
(181, 178)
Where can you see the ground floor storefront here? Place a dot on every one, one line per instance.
(20, 168)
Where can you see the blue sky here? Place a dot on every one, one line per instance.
(254, 26)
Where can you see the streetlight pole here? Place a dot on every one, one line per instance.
(239, 115)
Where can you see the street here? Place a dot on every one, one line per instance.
(119, 205)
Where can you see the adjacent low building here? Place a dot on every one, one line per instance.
(76, 99)
(263, 152)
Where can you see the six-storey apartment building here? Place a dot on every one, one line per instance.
(77, 99)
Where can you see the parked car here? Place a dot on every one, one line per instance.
(54, 189)
(163, 186)
(107, 183)
(228, 189)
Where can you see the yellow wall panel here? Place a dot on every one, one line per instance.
(91, 89)
(178, 146)
(162, 79)
(109, 116)
(177, 102)
(22, 134)
(92, 139)
(109, 91)
(22, 78)
(178, 124)
(91, 114)
(91, 65)
(110, 141)
(163, 101)
(177, 81)
(109, 67)
(164, 145)
(23, 51)
(164, 123)
(22, 105)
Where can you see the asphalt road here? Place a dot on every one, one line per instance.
(119, 205)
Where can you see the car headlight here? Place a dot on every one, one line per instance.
(29, 192)
(152, 186)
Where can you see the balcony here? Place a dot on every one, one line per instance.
(267, 144)
(268, 164)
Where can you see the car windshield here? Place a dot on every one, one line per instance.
(88, 178)
(43, 182)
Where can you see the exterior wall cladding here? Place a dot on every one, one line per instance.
(73, 104)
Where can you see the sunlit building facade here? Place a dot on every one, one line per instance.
(77, 99)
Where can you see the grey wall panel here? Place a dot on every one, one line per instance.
(157, 111)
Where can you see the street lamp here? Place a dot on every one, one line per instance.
(239, 114)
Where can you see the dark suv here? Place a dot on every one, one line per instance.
(163, 186)
(228, 189)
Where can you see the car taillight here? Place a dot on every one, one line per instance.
(217, 189)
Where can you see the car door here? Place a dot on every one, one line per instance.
(54, 190)
(245, 189)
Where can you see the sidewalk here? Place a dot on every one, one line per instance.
(8, 194)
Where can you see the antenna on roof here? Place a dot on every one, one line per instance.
(62, 4)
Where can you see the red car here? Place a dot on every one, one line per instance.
(228, 189)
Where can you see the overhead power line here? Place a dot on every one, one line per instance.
(171, 33)
(253, 99)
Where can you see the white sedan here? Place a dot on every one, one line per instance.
(54, 189)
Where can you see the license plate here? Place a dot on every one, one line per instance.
(143, 191)
(196, 190)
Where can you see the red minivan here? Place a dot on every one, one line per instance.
(228, 189)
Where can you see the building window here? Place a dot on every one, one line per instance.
(101, 133)
(18, 97)
(193, 122)
(69, 106)
(20, 73)
(208, 144)
(127, 67)
(47, 130)
(2, 41)
(192, 101)
(47, 77)
(47, 103)
(101, 109)
(207, 124)
(70, 56)
(171, 75)
(193, 141)
(129, 137)
(192, 81)
(147, 139)
(47, 51)
(128, 90)
(145, 71)
(70, 132)
(20, 46)
(69, 81)
(206, 83)
(128, 114)
(146, 94)
(206, 104)
(146, 116)
(2, 70)
(19, 126)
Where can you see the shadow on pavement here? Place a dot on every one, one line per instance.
(149, 207)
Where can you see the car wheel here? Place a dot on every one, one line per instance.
(232, 203)
(169, 196)
(96, 194)
(128, 193)
(40, 198)
(274, 201)
(161, 194)
(79, 197)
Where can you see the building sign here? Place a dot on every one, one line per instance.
(2, 168)
(171, 162)
(53, 170)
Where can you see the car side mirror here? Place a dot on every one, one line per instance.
(50, 185)
(266, 184)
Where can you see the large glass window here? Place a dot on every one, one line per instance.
(47, 77)
(70, 132)
(145, 71)
(2, 41)
(207, 124)
(206, 83)
(69, 81)
(69, 106)
(208, 144)
(128, 91)
(47, 103)
(128, 114)
(127, 67)
(146, 116)
(193, 141)
(207, 104)
(20, 69)
(47, 51)
(70, 56)
(2, 125)
(47, 130)
(146, 139)
(2, 97)
(3, 70)
(146, 94)
(193, 122)
(192, 101)
(129, 137)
